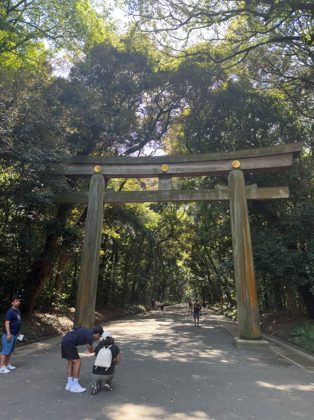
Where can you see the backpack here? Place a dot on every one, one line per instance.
(104, 358)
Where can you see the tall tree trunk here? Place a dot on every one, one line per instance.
(66, 257)
(145, 285)
(134, 282)
(43, 267)
(113, 272)
(278, 298)
(154, 280)
(308, 298)
(105, 273)
(75, 278)
(124, 296)
(63, 263)
(292, 305)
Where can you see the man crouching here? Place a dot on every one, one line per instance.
(103, 368)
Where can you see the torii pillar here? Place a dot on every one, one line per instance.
(87, 285)
(247, 307)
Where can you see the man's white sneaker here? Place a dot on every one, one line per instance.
(10, 367)
(77, 388)
(68, 386)
(4, 370)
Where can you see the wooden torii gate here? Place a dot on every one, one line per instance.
(233, 164)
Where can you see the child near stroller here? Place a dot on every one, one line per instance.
(107, 357)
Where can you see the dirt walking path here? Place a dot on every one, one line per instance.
(169, 370)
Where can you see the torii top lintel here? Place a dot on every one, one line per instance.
(262, 159)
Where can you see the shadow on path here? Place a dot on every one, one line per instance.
(169, 370)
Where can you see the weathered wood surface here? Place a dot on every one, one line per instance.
(222, 194)
(277, 157)
(165, 182)
(146, 170)
(248, 314)
(87, 287)
(294, 148)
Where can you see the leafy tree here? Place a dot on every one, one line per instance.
(109, 106)
(128, 99)
(231, 114)
(26, 24)
(113, 103)
(247, 24)
(29, 177)
(273, 38)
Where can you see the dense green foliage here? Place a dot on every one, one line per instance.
(124, 96)
(27, 24)
(303, 336)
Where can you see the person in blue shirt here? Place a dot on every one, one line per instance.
(77, 337)
(11, 329)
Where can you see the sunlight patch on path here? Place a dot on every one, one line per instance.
(144, 412)
(286, 387)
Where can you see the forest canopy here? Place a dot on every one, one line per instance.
(180, 78)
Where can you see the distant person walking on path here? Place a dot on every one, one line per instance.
(101, 373)
(12, 325)
(196, 314)
(77, 337)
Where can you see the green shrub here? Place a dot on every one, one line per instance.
(303, 336)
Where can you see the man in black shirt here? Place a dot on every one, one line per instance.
(101, 374)
(77, 337)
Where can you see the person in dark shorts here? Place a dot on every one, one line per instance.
(11, 329)
(196, 314)
(77, 337)
(102, 374)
